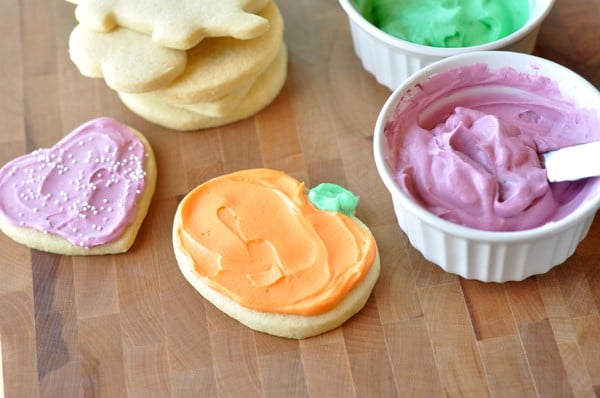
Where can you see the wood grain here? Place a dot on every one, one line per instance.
(130, 325)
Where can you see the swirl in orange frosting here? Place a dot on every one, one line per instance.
(254, 236)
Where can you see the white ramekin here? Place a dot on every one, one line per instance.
(391, 60)
(477, 254)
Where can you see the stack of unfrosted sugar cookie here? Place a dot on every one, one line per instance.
(183, 65)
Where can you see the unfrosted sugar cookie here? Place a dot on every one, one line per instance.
(216, 113)
(255, 246)
(87, 194)
(179, 24)
(218, 66)
(128, 61)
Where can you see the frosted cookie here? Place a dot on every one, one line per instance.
(177, 24)
(87, 194)
(128, 61)
(219, 66)
(255, 246)
(262, 93)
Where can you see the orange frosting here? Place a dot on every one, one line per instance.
(254, 236)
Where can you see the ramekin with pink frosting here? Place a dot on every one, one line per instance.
(458, 146)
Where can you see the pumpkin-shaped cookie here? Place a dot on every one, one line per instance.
(254, 245)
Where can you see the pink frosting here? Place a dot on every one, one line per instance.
(84, 189)
(465, 145)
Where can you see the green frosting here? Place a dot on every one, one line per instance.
(446, 23)
(332, 197)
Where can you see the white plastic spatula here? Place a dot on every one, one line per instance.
(573, 163)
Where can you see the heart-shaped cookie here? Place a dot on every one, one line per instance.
(87, 194)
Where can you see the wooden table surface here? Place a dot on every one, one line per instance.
(130, 325)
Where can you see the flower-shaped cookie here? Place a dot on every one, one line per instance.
(176, 23)
(128, 61)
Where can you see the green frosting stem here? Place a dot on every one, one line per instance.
(332, 197)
